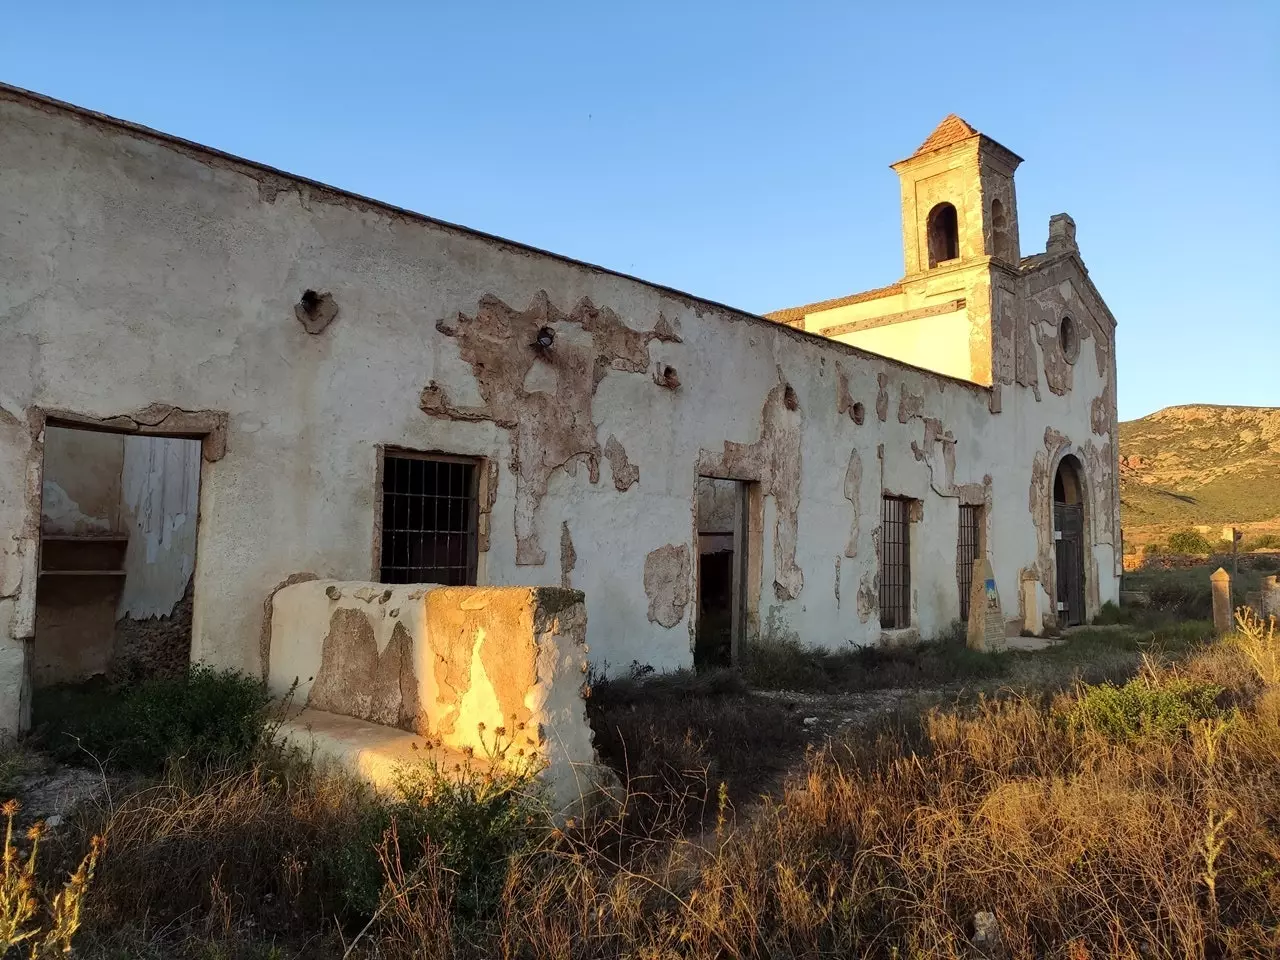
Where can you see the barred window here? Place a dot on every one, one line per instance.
(428, 519)
(966, 553)
(895, 563)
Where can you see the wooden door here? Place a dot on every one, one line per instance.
(1068, 535)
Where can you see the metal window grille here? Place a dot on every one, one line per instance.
(966, 553)
(895, 564)
(429, 512)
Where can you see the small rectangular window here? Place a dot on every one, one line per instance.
(428, 519)
(967, 551)
(895, 563)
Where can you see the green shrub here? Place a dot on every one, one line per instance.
(474, 822)
(1142, 708)
(789, 665)
(1266, 541)
(207, 717)
(1189, 542)
(1185, 599)
(784, 664)
(1112, 613)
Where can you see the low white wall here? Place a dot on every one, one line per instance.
(499, 671)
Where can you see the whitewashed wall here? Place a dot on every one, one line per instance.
(136, 270)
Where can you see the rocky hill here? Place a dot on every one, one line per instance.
(1201, 464)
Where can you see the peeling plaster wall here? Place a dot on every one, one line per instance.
(180, 288)
(1016, 318)
(1068, 407)
(160, 487)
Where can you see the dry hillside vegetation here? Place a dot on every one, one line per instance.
(1136, 817)
(1200, 465)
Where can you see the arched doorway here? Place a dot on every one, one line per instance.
(1069, 542)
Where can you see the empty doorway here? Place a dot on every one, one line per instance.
(723, 509)
(118, 522)
(1068, 537)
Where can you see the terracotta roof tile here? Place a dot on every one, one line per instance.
(951, 130)
(792, 314)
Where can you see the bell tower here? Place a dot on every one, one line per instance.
(958, 200)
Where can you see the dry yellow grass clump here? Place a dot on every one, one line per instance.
(33, 919)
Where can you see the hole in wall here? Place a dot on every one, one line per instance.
(859, 412)
(315, 311)
(1069, 339)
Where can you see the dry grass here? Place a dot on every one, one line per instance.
(685, 743)
(34, 918)
(1155, 840)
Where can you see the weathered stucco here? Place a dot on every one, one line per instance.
(150, 275)
(666, 583)
(853, 493)
(357, 679)
(775, 462)
(544, 396)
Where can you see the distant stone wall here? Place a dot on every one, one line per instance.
(497, 671)
(1263, 560)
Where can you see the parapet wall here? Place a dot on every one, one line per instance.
(495, 671)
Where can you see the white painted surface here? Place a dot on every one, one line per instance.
(160, 487)
(133, 272)
(938, 343)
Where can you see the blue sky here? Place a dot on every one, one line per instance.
(740, 151)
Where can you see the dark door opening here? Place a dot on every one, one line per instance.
(722, 566)
(119, 515)
(1068, 536)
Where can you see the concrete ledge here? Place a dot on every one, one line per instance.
(372, 751)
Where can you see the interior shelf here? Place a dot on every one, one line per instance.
(85, 538)
(82, 573)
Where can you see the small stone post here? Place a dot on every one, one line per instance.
(1220, 581)
(1270, 597)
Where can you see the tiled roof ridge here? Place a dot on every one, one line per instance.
(791, 314)
(951, 130)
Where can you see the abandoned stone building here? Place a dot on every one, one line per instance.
(219, 381)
